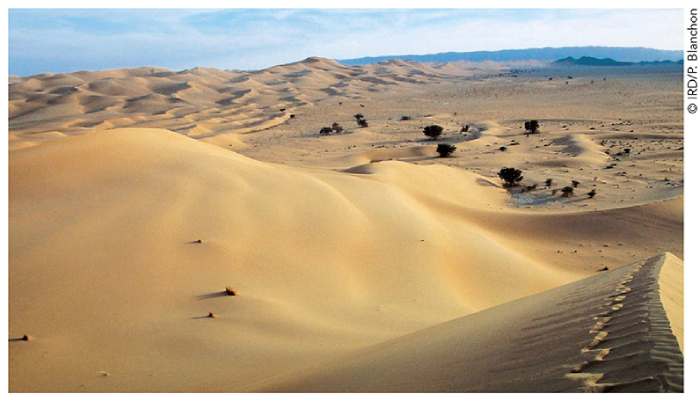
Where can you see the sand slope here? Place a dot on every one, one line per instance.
(345, 261)
(609, 332)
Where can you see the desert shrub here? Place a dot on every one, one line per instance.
(337, 128)
(532, 126)
(361, 121)
(548, 182)
(567, 192)
(502, 148)
(432, 131)
(591, 194)
(465, 128)
(510, 176)
(445, 149)
(326, 131)
(574, 183)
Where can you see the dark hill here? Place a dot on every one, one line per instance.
(548, 54)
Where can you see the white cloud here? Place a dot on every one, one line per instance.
(94, 39)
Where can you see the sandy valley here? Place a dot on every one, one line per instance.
(360, 260)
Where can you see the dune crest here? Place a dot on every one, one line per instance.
(606, 333)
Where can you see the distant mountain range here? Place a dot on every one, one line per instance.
(607, 62)
(591, 61)
(619, 54)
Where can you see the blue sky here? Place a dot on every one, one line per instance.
(60, 40)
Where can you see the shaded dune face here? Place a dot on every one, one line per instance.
(142, 229)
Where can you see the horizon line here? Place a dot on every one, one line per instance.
(353, 58)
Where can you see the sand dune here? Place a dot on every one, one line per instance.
(361, 260)
(78, 101)
(191, 190)
(610, 332)
(578, 149)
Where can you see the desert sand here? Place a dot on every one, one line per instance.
(360, 261)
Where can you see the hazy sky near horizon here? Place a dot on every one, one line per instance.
(61, 40)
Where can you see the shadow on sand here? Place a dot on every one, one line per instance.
(210, 295)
